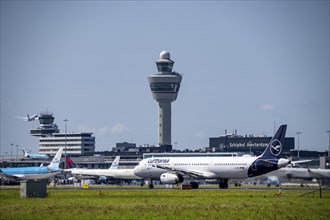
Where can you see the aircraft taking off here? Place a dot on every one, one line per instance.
(112, 172)
(173, 170)
(34, 156)
(29, 118)
(28, 173)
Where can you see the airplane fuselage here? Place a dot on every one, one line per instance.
(207, 167)
(114, 173)
(37, 156)
(301, 173)
(27, 173)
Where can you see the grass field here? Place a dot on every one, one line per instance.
(166, 204)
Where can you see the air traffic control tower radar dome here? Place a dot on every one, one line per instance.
(164, 86)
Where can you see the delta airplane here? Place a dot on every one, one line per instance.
(28, 173)
(34, 156)
(173, 170)
(112, 172)
(29, 118)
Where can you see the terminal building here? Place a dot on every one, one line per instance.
(75, 143)
(247, 144)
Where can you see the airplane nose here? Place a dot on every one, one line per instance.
(136, 170)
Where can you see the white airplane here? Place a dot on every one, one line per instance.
(290, 173)
(28, 173)
(34, 156)
(29, 118)
(173, 170)
(112, 172)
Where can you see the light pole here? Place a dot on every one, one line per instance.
(65, 121)
(299, 132)
(11, 152)
(16, 152)
(329, 144)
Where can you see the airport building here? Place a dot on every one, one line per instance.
(47, 126)
(247, 143)
(76, 143)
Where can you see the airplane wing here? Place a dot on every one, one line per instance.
(192, 173)
(9, 176)
(275, 163)
(300, 161)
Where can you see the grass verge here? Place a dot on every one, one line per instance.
(165, 204)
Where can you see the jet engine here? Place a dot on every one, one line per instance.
(171, 178)
(283, 162)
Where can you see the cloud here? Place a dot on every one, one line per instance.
(119, 129)
(267, 107)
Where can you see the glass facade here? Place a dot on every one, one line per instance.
(164, 87)
(164, 67)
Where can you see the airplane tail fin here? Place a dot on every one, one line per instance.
(115, 163)
(274, 147)
(57, 159)
(25, 152)
(69, 163)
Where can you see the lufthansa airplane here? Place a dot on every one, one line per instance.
(173, 170)
(28, 173)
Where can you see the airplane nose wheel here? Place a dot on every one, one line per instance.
(151, 185)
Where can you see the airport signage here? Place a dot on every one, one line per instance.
(249, 144)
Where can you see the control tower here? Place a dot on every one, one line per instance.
(164, 86)
(47, 126)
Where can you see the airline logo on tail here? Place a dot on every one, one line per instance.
(276, 147)
(69, 163)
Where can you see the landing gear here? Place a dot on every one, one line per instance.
(223, 184)
(194, 185)
(151, 185)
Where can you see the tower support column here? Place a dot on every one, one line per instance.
(164, 121)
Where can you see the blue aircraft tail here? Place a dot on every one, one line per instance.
(274, 147)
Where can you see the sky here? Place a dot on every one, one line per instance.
(246, 65)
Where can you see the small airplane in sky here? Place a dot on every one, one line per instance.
(173, 170)
(34, 156)
(32, 173)
(29, 118)
(112, 172)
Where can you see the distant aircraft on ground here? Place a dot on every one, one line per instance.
(29, 118)
(112, 172)
(173, 170)
(290, 173)
(28, 173)
(34, 156)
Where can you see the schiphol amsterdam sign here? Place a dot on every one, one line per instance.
(248, 144)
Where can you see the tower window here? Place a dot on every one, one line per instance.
(164, 67)
(165, 87)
